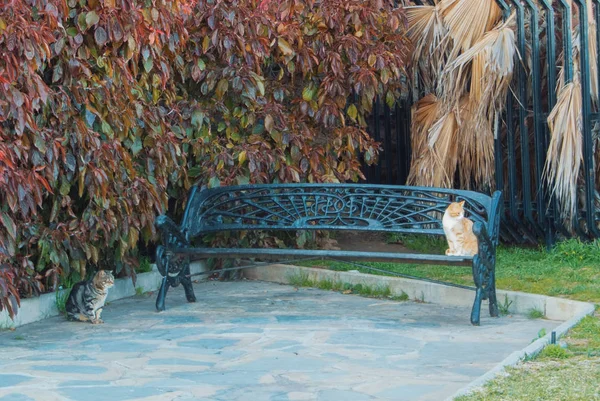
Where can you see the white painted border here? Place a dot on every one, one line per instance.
(44, 306)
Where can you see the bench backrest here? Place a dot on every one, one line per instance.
(357, 207)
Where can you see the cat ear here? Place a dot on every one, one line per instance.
(462, 203)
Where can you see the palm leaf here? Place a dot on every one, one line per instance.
(565, 149)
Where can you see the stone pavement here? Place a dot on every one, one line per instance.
(258, 341)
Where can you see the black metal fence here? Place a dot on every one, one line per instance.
(545, 37)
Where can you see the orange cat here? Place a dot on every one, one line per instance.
(459, 231)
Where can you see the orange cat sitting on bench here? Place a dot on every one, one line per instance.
(459, 231)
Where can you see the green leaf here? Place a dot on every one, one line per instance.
(194, 172)
(390, 99)
(81, 22)
(106, 128)
(72, 31)
(258, 129)
(148, 64)
(284, 47)
(214, 182)
(352, 112)
(261, 87)
(307, 93)
(197, 118)
(201, 64)
(91, 18)
(65, 188)
(136, 146)
(242, 180)
(222, 87)
(10, 226)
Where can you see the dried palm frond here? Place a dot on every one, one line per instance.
(469, 20)
(424, 114)
(443, 142)
(429, 36)
(435, 143)
(492, 65)
(476, 151)
(565, 155)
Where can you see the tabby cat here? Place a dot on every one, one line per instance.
(87, 298)
(459, 231)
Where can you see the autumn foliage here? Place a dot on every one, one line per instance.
(111, 109)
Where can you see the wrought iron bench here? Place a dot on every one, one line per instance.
(373, 208)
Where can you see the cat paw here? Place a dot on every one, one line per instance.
(97, 321)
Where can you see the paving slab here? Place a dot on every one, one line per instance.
(250, 340)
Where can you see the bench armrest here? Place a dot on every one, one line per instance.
(493, 226)
(170, 232)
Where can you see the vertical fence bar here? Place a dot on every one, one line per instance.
(567, 40)
(498, 151)
(407, 139)
(523, 129)
(400, 133)
(538, 121)
(552, 213)
(388, 142)
(597, 20)
(511, 178)
(377, 136)
(588, 151)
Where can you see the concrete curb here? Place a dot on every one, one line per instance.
(571, 312)
(44, 306)
(424, 291)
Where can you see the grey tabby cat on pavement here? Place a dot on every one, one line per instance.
(87, 298)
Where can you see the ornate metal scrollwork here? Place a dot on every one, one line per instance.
(338, 206)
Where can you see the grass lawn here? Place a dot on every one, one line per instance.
(571, 270)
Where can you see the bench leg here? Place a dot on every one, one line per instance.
(479, 294)
(476, 311)
(484, 277)
(162, 294)
(186, 282)
(492, 295)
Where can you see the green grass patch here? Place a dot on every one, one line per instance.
(535, 314)
(145, 265)
(302, 279)
(504, 306)
(554, 351)
(556, 380)
(419, 243)
(61, 300)
(570, 270)
(584, 339)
